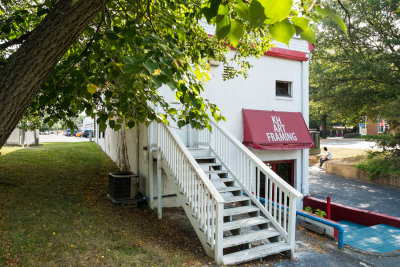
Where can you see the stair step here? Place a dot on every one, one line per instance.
(248, 222)
(236, 199)
(209, 164)
(249, 237)
(229, 189)
(216, 172)
(224, 180)
(240, 210)
(255, 253)
(205, 159)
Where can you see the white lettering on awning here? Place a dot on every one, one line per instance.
(280, 133)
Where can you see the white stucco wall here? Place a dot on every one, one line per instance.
(15, 137)
(88, 123)
(255, 92)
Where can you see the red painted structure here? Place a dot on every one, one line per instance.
(284, 53)
(275, 130)
(287, 54)
(341, 212)
(328, 207)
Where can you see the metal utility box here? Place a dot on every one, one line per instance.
(123, 185)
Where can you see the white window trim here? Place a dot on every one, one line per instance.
(285, 98)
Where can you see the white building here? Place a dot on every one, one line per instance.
(88, 123)
(19, 137)
(268, 112)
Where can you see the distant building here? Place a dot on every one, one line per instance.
(375, 127)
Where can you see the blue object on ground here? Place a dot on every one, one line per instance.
(378, 238)
(348, 226)
(315, 218)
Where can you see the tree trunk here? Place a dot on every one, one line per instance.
(28, 67)
(324, 126)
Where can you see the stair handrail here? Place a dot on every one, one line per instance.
(220, 143)
(183, 165)
(255, 159)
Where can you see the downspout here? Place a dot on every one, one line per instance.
(304, 112)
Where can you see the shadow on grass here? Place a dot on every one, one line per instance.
(54, 211)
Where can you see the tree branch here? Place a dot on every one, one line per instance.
(19, 40)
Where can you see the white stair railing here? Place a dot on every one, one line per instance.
(248, 170)
(206, 202)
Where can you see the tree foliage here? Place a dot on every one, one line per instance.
(132, 48)
(358, 74)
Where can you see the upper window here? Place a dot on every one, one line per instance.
(283, 89)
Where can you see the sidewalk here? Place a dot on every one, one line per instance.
(354, 193)
(340, 142)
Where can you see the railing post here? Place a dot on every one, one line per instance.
(218, 249)
(292, 222)
(150, 158)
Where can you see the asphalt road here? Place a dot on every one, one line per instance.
(363, 195)
(340, 142)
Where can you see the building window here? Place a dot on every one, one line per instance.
(283, 89)
(383, 127)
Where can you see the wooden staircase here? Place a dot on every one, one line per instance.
(217, 186)
(247, 235)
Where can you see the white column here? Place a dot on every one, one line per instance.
(159, 186)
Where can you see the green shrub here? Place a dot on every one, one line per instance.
(308, 209)
(352, 135)
(318, 212)
(377, 137)
(377, 166)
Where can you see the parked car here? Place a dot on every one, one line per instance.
(86, 133)
(69, 133)
(79, 134)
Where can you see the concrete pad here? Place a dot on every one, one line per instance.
(378, 238)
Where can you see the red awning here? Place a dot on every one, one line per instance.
(275, 130)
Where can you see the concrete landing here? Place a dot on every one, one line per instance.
(380, 238)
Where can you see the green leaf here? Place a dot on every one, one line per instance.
(303, 28)
(198, 74)
(223, 10)
(282, 31)
(256, 14)
(223, 27)
(150, 66)
(327, 12)
(111, 123)
(276, 11)
(301, 22)
(236, 32)
(210, 9)
(117, 127)
(102, 126)
(156, 80)
(309, 35)
(92, 88)
(172, 111)
(181, 123)
(242, 10)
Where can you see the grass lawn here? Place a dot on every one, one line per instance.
(8, 149)
(350, 155)
(54, 212)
